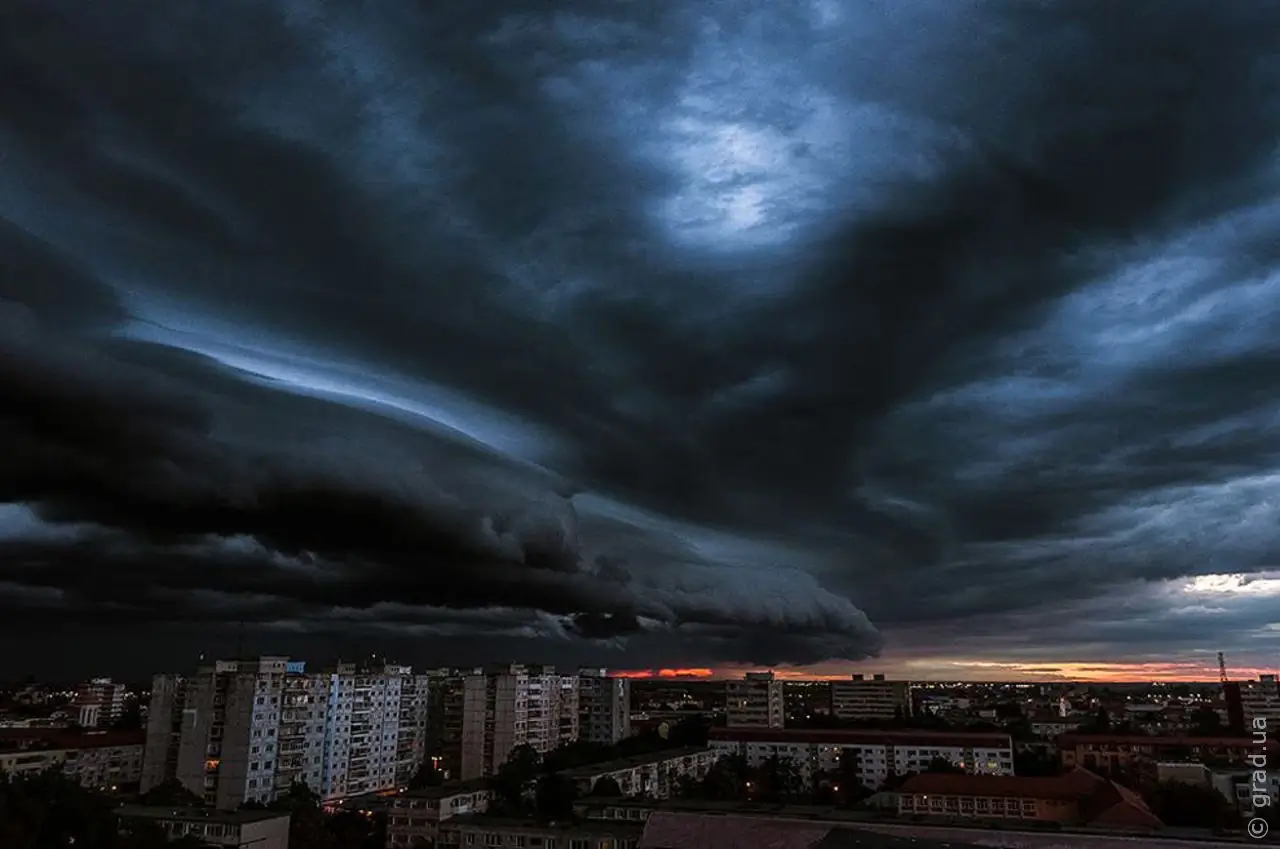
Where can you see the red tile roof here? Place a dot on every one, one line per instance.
(1099, 801)
(668, 830)
(858, 737)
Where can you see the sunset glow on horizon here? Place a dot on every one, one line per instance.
(930, 669)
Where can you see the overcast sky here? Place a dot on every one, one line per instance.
(648, 334)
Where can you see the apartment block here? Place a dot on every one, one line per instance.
(652, 776)
(415, 816)
(164, 730)
(871, 756)
(862, 698)
(755, 701)
(106, 761)
(241, 731)
(604, 706)
(1107, 753)
(1260, 702)
(98, 703)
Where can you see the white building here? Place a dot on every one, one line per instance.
(876, 754)
(98, 703)
(106, 761)
(651, 776)
(1261, 700)
(415, 815)
(604, 706)
(238, 829)
(755, 701)
(243, 731)
(861, 698)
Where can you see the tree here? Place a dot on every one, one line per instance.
(606, 787)
(47, 809)
(171, 794)
(1101, 723)
(942, 765)
(1205, 722)
(1189, 805)
(308, 825)
(426, 776)
(508, 785)
(727, 779)
(554, 798)
(779, 780)
(1035, 763)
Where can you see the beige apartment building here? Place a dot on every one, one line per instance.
(755, 701)
(862, 698)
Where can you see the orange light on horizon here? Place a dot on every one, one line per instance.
(665, 673)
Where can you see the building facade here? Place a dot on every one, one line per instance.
(105, 761)
(876, 698)
(414, 817)
(1260, 700)
(647, 776)
(240, 731)
(99, 703)
(755, 701)
(238, 829)
(869, 756)
(604, 705)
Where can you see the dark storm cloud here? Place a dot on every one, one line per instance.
(930, 310)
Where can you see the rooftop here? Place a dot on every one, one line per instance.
(67, 738)
(588, 770)
(444, 791)
(862, 737)
(161, 812)
(604, 828)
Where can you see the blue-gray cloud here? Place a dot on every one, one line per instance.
(700, 328)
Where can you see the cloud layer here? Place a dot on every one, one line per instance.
(672, 335)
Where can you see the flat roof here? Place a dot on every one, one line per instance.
(856, 737)
(163, 812)
(601, 827)
(632, 762)
(444, 791)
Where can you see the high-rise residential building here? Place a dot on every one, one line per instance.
(304, 715)
(1260, 700)
(240, 731)
(485, 714)
(568, 708)
(863, 698)
(755, 701)
(164, 730)
(99, 702)
(604, 706)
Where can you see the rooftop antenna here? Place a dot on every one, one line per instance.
(1222, 667)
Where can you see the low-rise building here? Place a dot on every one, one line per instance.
(415, 816)
(239, 829)
(755, 701)
(875, 755)
(1077, 797)
(652, 776)
(1108, 753)
(479, 830)
(109, 761)
(862, 698)
(1053, 726)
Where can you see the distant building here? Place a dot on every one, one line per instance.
(415, 816)
(871, 756)
(1260, 700)
(481, 830)
(1076, 798)
(652, 776)
(99, 703)
(239, 829)
(1109, 752)
(604, 706)
(107, 761)
(862, 699)
(755, 701)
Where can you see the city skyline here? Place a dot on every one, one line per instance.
(933, 339)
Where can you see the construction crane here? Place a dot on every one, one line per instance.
(1222, 667)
